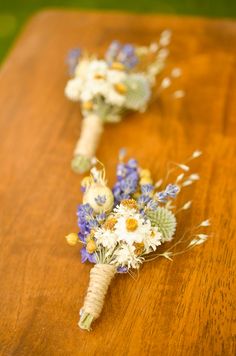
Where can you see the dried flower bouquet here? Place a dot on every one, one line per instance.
(119, 229)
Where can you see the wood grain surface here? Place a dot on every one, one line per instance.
(184, 307)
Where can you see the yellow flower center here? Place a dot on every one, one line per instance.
(117, 66)
(120, 88)
(131, 224)
(139, 247)
(87, 105)
(99, 76)
(129, 203)
(109, 224)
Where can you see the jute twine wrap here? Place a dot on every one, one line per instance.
(92, 128)
(100, 279)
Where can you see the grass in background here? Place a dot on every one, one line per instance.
(13, 13)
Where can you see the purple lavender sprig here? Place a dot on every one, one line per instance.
(124, 54)
(170, 192)
(72, 60)
(127, 180)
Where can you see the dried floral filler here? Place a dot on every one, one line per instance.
(123, 81)
(119, 229)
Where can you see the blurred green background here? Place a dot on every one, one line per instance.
(13, 13)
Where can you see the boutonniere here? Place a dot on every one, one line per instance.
(123, 227)
(126, 79)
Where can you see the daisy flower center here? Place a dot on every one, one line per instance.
(131, 224)
(110, 224)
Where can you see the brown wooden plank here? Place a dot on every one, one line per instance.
(184, 307)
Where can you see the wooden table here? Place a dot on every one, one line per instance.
(184, 307)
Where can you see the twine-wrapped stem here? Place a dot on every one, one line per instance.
(86, 146)
(100, 279)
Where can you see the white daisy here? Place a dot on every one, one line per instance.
(132, 228)
(152, 240)
(73, 89)
(106, 238)
(114, 98)
(122, 210)
(99, 87)
(125, 256)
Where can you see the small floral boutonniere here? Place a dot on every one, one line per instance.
(119, 229)
(124, 80)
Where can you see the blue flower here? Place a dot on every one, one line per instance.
(147, 188)
(162, 197)
(101, 217)
(121, 171)
(124, 54)
(72, 60)
(85, 256)
(122, 269)
(170, 192)
(82, 237)
(143, 199)
(132, 163)
(85, 218)
(92, 223)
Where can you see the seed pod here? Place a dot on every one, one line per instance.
(165, 220)
(99, 197)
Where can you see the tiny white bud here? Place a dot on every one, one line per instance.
(196, 154)
(199, 242)
(205, 223)
(176, 72)
(184, 167)
(153, 47)
(158, 183)
(194, 176)
(166, 82)
(193, 242)
(178, 94)
(202, 236)
(187, 205)
(164, 41)
(180, 177)
(187, 182)
(163, 53)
